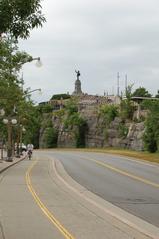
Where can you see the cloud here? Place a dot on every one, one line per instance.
(98, 37)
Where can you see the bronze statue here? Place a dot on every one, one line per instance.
(78, 74)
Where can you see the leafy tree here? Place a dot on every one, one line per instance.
(18, 17)
(151, 135)
(60, 96)
(141, 92)
(157, 95)
(13, 99)
(71, 107)
(32, 125)
(51, 136)
(108, 112)
(44, 108)
(73, 120)
(10, 64)
(126, 106)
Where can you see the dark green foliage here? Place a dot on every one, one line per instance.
(123, 130)
(51, 136)
(60, 96)
(126, 109)
(108, 112)
(18, 17)
(44, 108)
(126, 106)
(33, 124)
(80, 134)
(157, 95)
(141, 92)
(151, 135)
(75, 122)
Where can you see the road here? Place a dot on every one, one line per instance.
(35, 203)
(129, 184)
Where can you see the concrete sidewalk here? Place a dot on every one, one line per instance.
(5, 165)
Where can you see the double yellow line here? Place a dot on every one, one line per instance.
(45, 210)
(105, 165)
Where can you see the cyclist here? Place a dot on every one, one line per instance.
(30, 148)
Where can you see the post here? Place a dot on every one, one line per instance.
(9, 148)
(20, 141)
(1, 159)
(18, 144)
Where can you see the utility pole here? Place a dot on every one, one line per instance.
(126, 84)
(118, 76)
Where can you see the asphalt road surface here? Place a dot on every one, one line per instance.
(36, 204)
(129, 184)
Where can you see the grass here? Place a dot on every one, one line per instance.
(151, 157)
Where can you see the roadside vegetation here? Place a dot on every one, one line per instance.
(17, 19)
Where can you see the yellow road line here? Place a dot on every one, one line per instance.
(156, 185)
(45, 210)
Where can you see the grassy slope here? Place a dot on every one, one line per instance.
(152, 157)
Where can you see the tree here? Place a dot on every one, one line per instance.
(18, 17)
(74, 121)
(151, 135)
(60, 96)
(141, 92)
(12, 97)
(108, 112)
(126, 106)
(11, 61)
(157, 95)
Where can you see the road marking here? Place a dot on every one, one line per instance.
(45, 210)
(146, 181)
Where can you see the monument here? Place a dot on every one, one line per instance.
(77, 90)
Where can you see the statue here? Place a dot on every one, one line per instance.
(78, 74)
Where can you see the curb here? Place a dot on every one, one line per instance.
(12, 164)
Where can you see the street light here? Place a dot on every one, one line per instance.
(37, 59)
(22, 130)
(9, 122)
(39, 89)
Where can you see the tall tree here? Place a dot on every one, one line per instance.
(18, 17)
(151, 134)
(157, 95)
(141, 92)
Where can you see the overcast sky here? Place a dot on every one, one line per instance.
(99, 38)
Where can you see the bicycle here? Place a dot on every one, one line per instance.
(29, 154)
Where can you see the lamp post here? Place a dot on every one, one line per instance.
(22, 130)
(37, 59)
(2, 113)
(39, 89)
(9, 122)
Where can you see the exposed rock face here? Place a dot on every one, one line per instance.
(135, 135)
(101, 135)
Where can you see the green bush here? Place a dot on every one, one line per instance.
(60, 96)
(51, 136)
(151, 135)
(108, 112)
